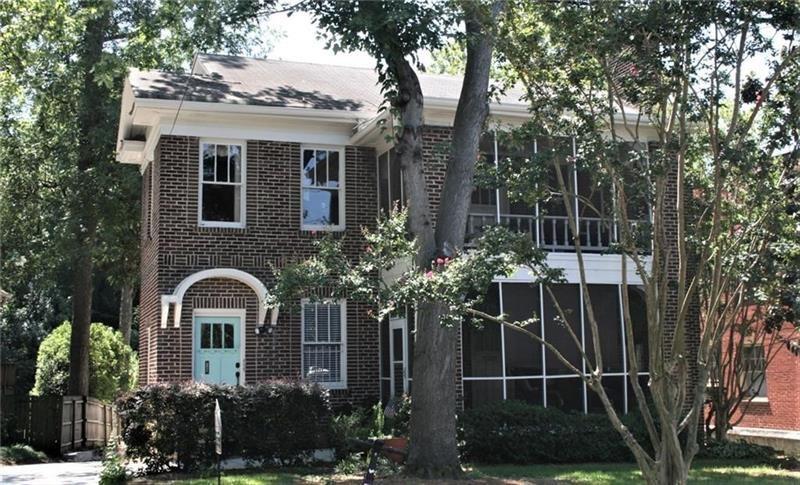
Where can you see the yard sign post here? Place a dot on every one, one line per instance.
(218, 438)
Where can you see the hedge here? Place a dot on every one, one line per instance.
(517, 432)
(171, 426)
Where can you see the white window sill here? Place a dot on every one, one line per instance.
(759, 400)
(226, 225)
(322, 228)
(333, 386)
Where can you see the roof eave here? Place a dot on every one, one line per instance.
(328, 115)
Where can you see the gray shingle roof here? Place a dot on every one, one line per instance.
(267, 82)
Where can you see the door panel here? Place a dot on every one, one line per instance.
(217, 350)
(398, 356)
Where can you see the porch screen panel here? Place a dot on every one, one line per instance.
(555, 332)
(523, 353)
(638, 308)
(482, 353)
(605, 305)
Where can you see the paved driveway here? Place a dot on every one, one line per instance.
(68, 473)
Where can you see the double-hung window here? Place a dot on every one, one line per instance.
(222, 187)
(322, 187)
(324, 341)
(754, 367)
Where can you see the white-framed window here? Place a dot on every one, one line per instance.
(324, 341)
(223, 170)
(322, 188)
(754, 365)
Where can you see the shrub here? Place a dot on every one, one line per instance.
(516, 432)
(398, 424)
(363, 423)
(171, 426)
(112, 363)
(735, 450)
(20, 455)
(113, 470)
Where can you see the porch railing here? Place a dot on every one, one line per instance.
(596, 233)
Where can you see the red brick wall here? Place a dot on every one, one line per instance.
(272, 236)
(782, 407)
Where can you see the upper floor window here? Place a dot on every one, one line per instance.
(324, 338)
(222, 187)
(322, 186)
(390, 183)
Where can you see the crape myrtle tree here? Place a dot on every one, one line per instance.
(63, 66)
(393, 33)
(606, 73)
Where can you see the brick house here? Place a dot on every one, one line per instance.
(247, 162)
(775, 404)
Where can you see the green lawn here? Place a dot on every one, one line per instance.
(705, 472)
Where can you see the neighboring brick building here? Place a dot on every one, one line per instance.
(249, 161)
(777, 405)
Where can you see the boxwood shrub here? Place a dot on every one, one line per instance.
(171, 426)
(517, 432)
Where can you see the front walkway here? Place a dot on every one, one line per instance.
(67, 473)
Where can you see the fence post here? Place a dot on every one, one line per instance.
(83, 422)
(72, 426)
(105, 430)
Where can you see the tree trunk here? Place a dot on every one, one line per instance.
(433, 450)
(90, 113)
(81, 313)
(721, 421)
(126, 311)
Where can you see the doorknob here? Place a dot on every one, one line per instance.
(207, 368)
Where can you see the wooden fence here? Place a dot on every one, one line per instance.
(59, 424)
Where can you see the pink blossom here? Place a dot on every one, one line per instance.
(429, 274)
(439, 261)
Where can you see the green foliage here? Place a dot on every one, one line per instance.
(447, 280)
(169, 426)
(450, 59)
(389, 31)
(59, 105)
(113, 469)
(20, 455)
(736, 450)
(516, 432)
(112, 364)
(398, 425)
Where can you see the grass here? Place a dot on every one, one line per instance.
(703, 472)
(20, 454)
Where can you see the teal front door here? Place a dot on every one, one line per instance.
(216, 350)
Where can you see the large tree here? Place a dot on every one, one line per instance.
(600, 72)
(64, 62)
(393, 33)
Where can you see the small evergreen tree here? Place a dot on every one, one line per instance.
(112, 363)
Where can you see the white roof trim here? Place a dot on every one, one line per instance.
(331, 115)
(176, 298)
